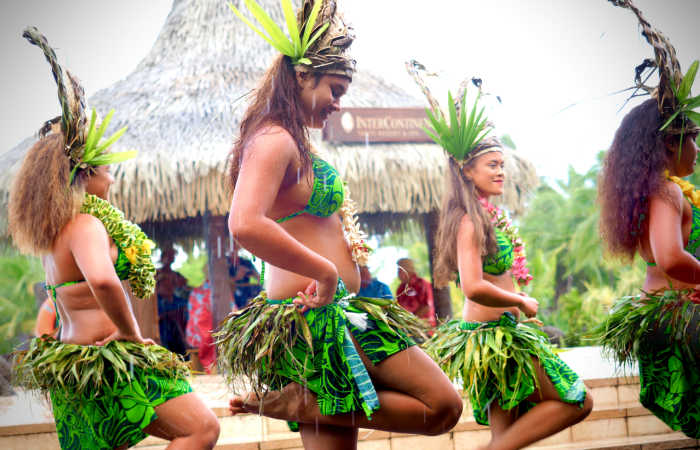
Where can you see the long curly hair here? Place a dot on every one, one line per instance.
(460, 198)
(276, 101)
(632, 172)
(41, 201)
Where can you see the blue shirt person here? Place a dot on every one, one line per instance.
(371, 287)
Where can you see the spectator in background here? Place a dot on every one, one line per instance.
(172, 292)
(414, 293)
(245, 280)
(199, 325)
(371, 287)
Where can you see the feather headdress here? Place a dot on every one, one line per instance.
(318, 39)
(464, 137)
(673, 92)
(83, 140)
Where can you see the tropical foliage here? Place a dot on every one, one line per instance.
(18, 274)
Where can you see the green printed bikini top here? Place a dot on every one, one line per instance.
(499, 262)
(693, 245)
(327, 194)
(121, 266)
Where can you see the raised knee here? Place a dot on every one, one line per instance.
(587, 406)
(208, 431)
(444, 415)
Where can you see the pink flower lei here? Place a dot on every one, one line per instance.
(500, 220)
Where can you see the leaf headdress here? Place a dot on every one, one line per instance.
(83, 143)
(318, 38)
(461, 132)
(676, 105)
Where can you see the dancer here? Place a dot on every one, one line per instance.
(339, 362)
(647, 209)
(109, 387)
(515, 383)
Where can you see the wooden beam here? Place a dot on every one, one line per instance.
(441, 297)
(218, 243)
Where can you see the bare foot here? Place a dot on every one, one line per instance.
(292, 403)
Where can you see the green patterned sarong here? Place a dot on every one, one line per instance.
(330, 367)
(494, 360)
(102, 396)
(117, 415)
(661, 333)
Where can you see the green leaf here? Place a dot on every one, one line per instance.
(668, 122)
(292, 26)
(316, 35)
(105, 145)
(90, 142)
(310, 23)
(687, 82)
(270, 41)
(113, 158)
(271, 27)
(694, 116)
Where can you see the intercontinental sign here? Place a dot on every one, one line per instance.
(372, 125)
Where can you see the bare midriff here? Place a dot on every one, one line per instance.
(323, 235)
(83, 321)
(476, 312)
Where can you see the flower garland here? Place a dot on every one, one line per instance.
(129, 239)
(500, 220)
(687, 188)
(359, 249)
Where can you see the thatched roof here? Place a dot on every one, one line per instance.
(183, 104)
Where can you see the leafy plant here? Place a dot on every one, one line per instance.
(463, 132)
(686, 103)
(294, 46)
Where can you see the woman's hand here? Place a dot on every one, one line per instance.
(119, 336)
(529, 305)
(317, 293)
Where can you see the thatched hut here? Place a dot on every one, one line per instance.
(183, 104)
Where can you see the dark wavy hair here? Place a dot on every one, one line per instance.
(276, 101)
(631, 173)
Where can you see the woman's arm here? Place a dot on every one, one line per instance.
(90, 246)
(472, 280)
(666, 237)
(265, 164)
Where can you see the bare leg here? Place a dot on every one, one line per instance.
(326, 437)
(414, 394)
(186, 422)
(548, 417)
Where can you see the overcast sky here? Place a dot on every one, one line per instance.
(553, 62)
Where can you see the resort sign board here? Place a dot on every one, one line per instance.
(373, 125)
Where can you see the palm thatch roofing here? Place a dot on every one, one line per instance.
(183, 104)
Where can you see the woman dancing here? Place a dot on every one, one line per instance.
(647, 209)
(338, 354)
(109, 386)
(515, 383)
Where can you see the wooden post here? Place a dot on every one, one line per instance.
(441, 297)
(218, 242)
(146, 313)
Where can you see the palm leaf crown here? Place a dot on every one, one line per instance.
(317, 37)
(673, 93)
(459, 130)
(83, 141)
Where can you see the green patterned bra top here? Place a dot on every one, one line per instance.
(327, 194)
(498, 263)
(693, 245)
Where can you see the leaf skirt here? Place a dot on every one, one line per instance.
(660, 331)
(102, 397)
(270, 344)
(494, 361)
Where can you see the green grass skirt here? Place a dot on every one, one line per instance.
(270, 344)
(660, 332)
(102, 397)
(494, 361)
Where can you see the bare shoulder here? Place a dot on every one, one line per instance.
(272, 141)
(466, 226)
(670, 193)
(84, 225)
